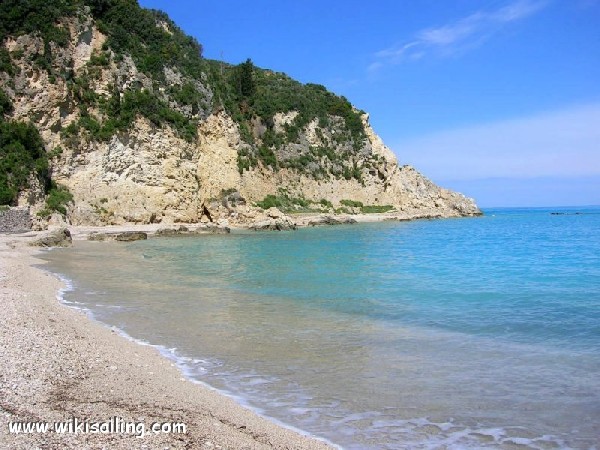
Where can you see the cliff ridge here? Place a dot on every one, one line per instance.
(137, 136)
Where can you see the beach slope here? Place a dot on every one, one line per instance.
(57, 365)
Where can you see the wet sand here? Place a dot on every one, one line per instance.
(56, 364)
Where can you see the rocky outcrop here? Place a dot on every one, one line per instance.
(281, 224)
(212, 228)
(60, 237)
(172, 231)
(150, 174)
(128, 236)
(273, 220)
(326, 219)
(124, 236)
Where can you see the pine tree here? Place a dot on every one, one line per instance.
(247, 84)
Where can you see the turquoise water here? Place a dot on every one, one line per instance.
(461, 333)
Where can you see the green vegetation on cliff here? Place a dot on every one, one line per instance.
(39, 17)
(248, 93)
(156, 71)
(22, 155)
(57, 200)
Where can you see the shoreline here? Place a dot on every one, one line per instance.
(300, 220)
(58, 363)
(49, 342)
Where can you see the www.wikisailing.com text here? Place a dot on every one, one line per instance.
(116, 425)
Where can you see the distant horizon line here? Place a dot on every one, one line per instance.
(539, 207)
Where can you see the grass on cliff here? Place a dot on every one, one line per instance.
(283, 202)
(365, 209)
(248, 92)
(376, 209)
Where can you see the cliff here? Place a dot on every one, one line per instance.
(141, 129)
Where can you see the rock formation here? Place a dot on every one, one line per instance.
(155, 170)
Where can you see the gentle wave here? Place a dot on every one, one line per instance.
(476, 333)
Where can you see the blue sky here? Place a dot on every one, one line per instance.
(497, 98)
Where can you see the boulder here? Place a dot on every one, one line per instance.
(325, 219)
(182, 229)
(233, 200)
(274, 213)
(212, 228)
(124, 236)
(280, 224)
(128, 236)
(95, 236)
(60, 237)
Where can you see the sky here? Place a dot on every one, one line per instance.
(499, 99)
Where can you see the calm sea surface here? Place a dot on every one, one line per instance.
(460, 333)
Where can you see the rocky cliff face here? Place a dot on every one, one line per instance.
(151, 173)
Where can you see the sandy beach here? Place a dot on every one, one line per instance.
(57, 365)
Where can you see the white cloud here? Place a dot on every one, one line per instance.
(564, 143)
(455, 37)
(374, 67)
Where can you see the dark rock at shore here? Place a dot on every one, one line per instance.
(94, 236)
(182, 229)
(125, 236)
(211, 228)
(270, 224)
(128, 236)
(330, 220)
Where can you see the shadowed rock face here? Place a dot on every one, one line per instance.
(150, 174)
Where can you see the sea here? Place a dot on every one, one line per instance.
(465, 333)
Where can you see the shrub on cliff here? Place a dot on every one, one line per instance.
(21, 155)
(179, 86)
(19, 17)
(58, 199)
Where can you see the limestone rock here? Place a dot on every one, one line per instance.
(125, 236)
(212, 228)
(95, 236)
(174, 231)
(60, 237)
(128, 236)
(280, 224)
(150, 174)
(274, 213)
(325, 219)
